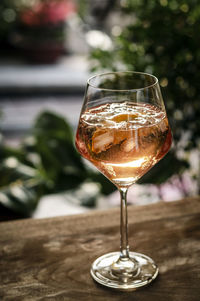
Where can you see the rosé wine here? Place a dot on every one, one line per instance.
(123, 140)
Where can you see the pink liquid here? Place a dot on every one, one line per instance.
(123, 140)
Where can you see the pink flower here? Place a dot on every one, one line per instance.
(46, 13)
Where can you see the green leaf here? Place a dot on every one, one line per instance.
(53, 125)
(54, 143)
(20, 186)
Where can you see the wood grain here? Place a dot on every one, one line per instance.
(49, 259)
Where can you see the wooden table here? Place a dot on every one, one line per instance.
(49, 259)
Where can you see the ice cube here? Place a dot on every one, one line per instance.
(101, 140)
(128, 145)
(163, 125)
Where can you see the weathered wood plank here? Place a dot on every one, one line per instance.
(50, 259)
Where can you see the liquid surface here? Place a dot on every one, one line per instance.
(123, 140)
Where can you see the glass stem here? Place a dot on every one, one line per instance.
(125, 267)
(124, 247)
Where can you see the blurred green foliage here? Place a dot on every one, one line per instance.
(161, 38)
(7, 18)
(46, 163)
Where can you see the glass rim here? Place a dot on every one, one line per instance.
(122, 90)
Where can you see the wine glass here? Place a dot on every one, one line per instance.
(123, 130)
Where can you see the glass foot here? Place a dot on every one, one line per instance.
(104, 271)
